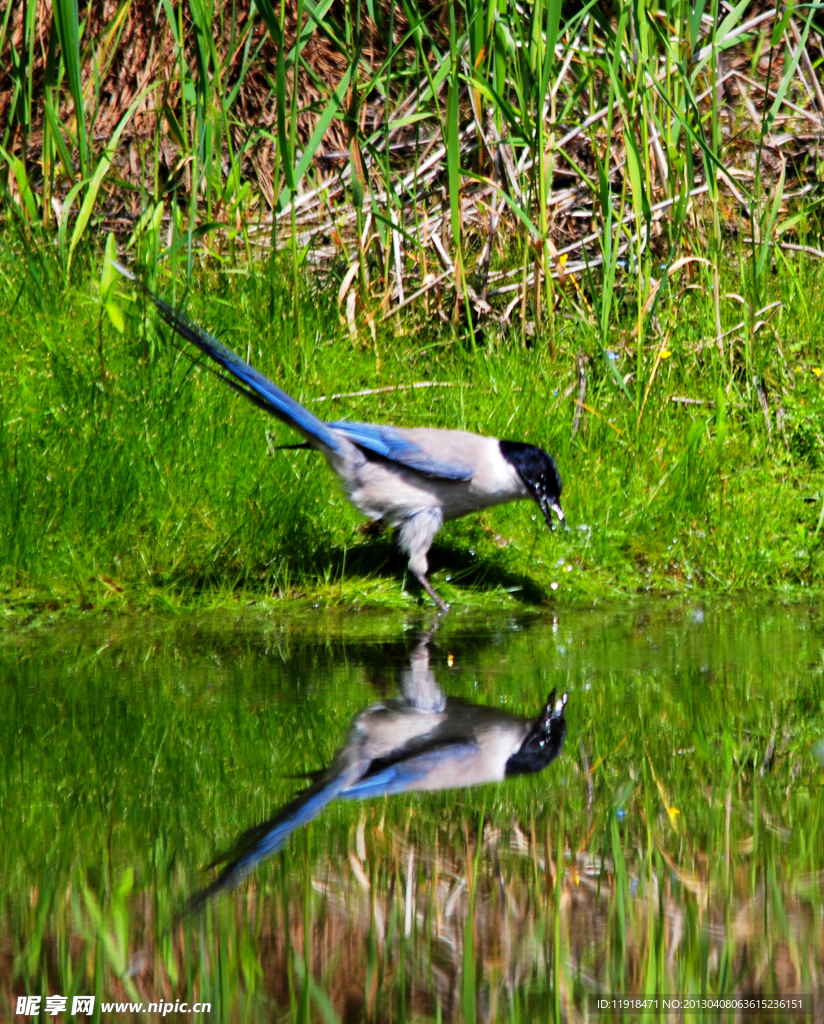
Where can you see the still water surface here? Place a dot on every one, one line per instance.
(674, 846)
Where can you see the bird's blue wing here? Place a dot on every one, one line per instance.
(398, 777)
(390, 443)
(263, 392)
(386, 782)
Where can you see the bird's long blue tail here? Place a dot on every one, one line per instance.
(265, 839)
(253, 385)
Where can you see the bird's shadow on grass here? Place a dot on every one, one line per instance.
(370, 557)
(448, 562)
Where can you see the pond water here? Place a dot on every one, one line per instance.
(674, 846)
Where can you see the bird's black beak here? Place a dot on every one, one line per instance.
(548, 507)
(554, 710)
(544, 740)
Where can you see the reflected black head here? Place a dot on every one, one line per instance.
(544, 740)
(540, 475)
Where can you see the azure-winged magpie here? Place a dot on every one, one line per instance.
(412, 479)
(419, 742)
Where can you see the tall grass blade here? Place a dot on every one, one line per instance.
(67, 22)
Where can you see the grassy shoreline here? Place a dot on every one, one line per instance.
(128, 480)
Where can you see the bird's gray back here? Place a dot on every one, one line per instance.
(382, 489)
(463, 745)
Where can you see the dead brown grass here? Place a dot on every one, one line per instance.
(130, 48)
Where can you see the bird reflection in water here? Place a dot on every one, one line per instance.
(419, 741)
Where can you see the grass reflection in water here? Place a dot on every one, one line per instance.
(673, 847)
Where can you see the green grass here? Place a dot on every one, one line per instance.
(664, 851)
(128, 479)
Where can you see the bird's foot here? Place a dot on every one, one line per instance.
(443, 607)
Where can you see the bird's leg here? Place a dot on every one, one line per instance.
(416, 534)
(443, 607)
(418, 683)
(423, 638)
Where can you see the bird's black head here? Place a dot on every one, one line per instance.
(540, 475)
(543, 741)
